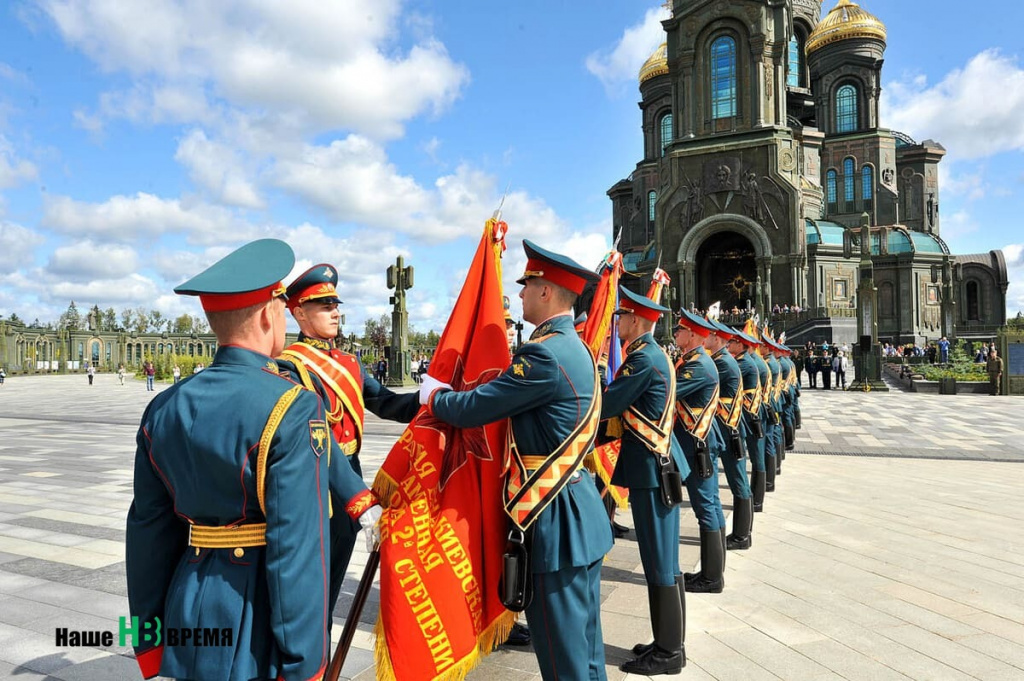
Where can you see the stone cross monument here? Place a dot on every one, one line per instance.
(867, 356)
(399, 279)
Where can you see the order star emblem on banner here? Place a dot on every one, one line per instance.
(458, 443)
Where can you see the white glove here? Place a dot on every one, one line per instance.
(430, 384)
(370, 521)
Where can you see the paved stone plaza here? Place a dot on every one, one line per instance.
(892, 547)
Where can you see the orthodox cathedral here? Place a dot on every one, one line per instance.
(764, 154)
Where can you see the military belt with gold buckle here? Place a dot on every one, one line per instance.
(208, 537)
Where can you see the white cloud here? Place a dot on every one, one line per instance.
(219, 169)
(16, 245)
(621, 64)
(13, 170)
(144, 217)
(328, 65)
(969, 184)
(85, 260)
(353, 181)
(1014, 254)
(958, 225)
(974, 111)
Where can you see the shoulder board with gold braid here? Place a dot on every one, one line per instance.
(269, 429)
(657, 437)
(698, 423)
(528, 494)
(541, 339)
(343, 381)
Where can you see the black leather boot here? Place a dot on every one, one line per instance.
(742, 520)
(790, 434)
(757, 488)
(769, 477)
(711, 578)
(665, 655)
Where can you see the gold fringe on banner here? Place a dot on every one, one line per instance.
(487, 640)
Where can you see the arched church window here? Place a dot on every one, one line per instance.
(723, 77)
(867, 188)
(830, 190)
(846, 109)
(795, 62)
(973, 301)
(848, 176)
(652, 198)
(666, 132)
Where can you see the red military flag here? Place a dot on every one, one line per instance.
(601, 337)
(443, 530)
(658, 283)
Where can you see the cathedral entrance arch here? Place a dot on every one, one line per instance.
(721, 258)
(726, 271)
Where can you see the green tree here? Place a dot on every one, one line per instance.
(186, 323)
(156, 320)
(36, 323)
(127, 319)
(71, 319)
(378, 332)
(109, 320)
(15, 319)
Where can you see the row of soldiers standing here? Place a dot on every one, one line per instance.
(731, 395)
(243, 519)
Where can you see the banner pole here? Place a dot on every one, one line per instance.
(352, 619)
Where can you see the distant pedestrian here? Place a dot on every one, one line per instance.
(150, 371)
(120, 374)
(812, 369)
(943, 350)
(994, 367)
(839, 366)
(90, 371)
(176, 373)
(3, 375)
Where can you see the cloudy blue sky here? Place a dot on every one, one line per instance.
(140, 141)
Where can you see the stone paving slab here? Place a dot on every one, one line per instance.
(891, 549)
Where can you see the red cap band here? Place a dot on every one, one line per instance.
(560, 277)
(222, 302)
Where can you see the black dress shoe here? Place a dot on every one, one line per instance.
(737, 543)
(703, 585)
(655, 661)
(641, 648)
(758, 508)
(618, 530)
(769, 486)
(520, 635)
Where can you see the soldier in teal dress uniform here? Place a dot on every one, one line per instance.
(734, 430)
(743, 349)
(346, 388)
(788, 400)
(551, 394)
(773, 443)
(642, 397)
(764, 374)
(228, 525)
(697, 394)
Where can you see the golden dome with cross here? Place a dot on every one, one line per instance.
(846, 20)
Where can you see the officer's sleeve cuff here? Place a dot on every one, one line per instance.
(149, 661)
(358, 504)
(430, 399)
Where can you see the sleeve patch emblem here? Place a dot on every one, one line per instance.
(521, 367)
(318, 437)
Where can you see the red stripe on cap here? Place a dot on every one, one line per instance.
(698, 329)
(222, 302)
(642, 312)
(556, 275)
(319, 290)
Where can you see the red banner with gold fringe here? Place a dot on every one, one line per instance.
(443, 530)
